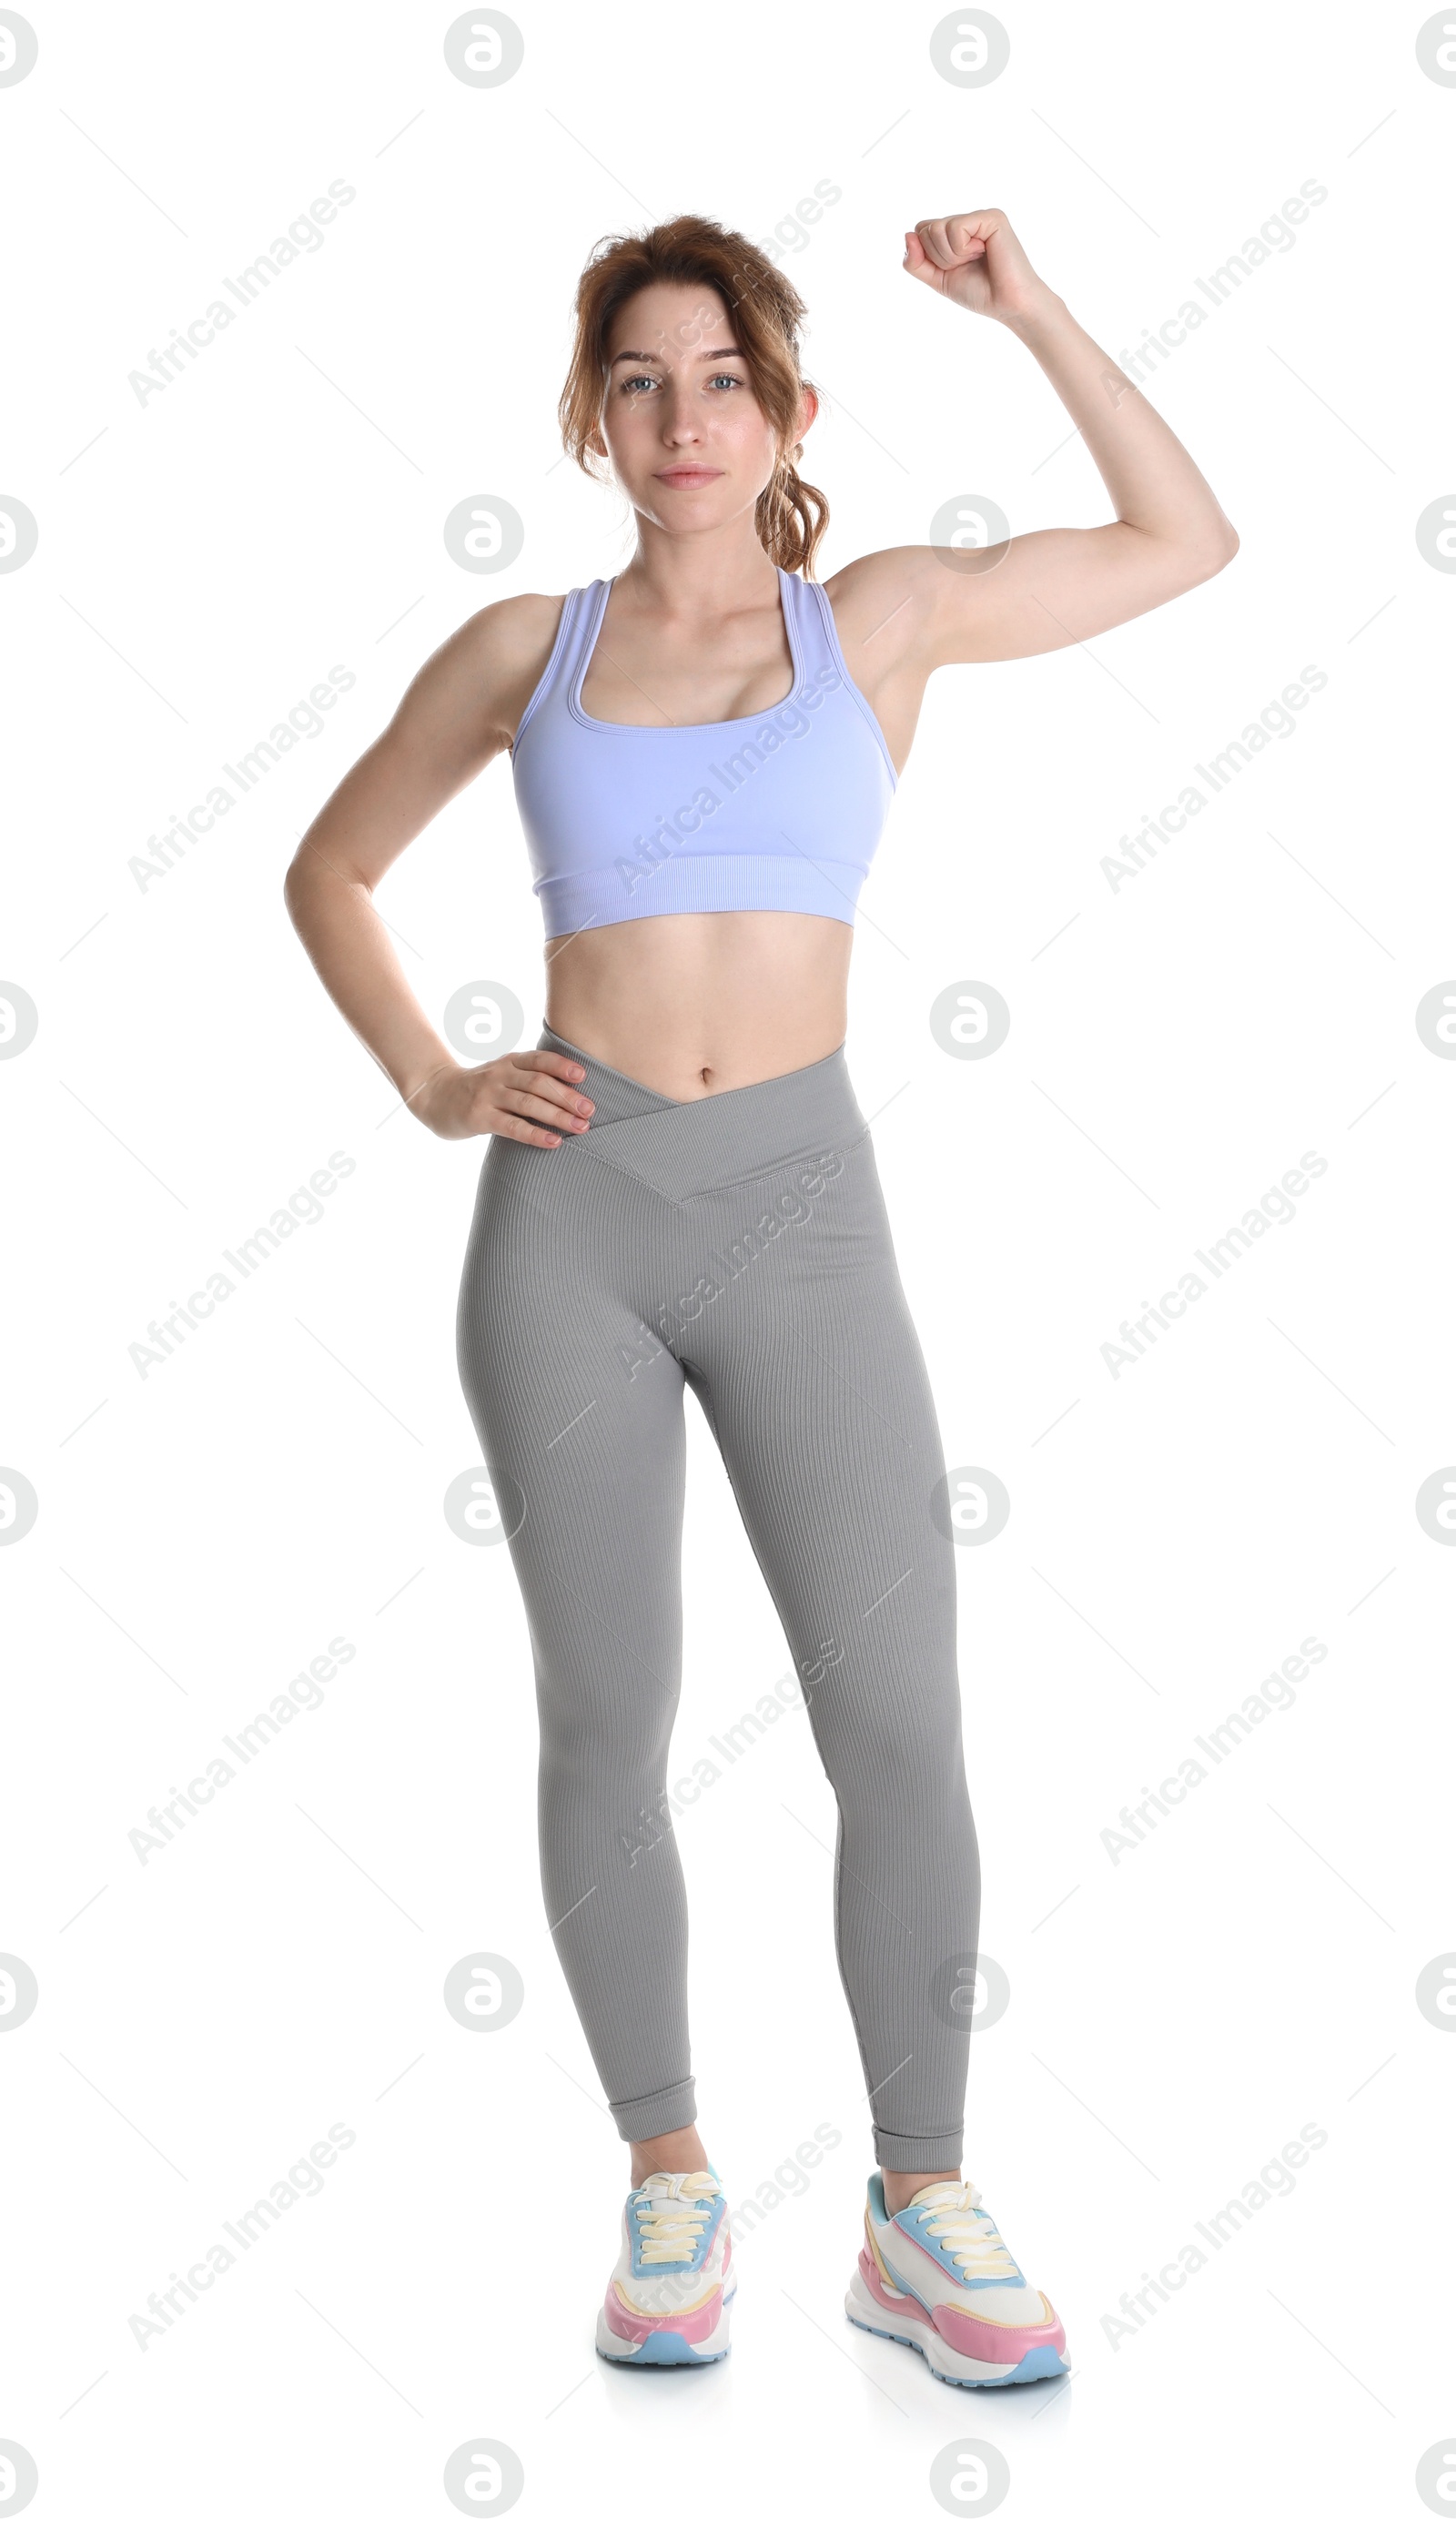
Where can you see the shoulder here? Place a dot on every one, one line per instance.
(486, 670)
(509, 635)
(892, 591)
(510, 643)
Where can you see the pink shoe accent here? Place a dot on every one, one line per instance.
(978, 2337)
(635, 2325)
(877, 2280)
(986, 2342)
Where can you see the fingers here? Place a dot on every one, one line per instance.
(556, 1084)
(545, 1077)
(512, 1127)
(572, 1118)
(540, 1059)
(539, 1100)
(532, 1097)
(935, 238)
(947, 242)
(920, 265)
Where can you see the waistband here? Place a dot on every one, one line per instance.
(686, 1148)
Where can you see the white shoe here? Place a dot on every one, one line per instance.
(940, 2277)
(668, 2299)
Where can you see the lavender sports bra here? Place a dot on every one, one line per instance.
(778, 812)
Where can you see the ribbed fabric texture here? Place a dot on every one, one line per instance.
(737, 1244)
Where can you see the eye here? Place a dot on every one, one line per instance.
(725, 378)
(642, 380)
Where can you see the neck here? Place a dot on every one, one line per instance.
(683, 577)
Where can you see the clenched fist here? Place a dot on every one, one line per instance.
(978, 259)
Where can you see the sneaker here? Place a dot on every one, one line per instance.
(939, 2277)
(668, 2297)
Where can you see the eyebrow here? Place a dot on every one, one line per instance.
(729, 352)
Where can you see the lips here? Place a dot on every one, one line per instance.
(687, 477)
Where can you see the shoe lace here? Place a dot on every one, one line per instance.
(970, 2237)
(671, 2223)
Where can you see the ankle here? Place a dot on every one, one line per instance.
(902, 2183)
(674, 2154)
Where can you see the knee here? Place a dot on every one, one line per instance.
(903, 1746)
(589, 1755)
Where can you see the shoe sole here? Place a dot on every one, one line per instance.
(663, 2350)
(922, 2337)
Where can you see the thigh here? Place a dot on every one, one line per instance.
(580, 1419)
(814, 1379)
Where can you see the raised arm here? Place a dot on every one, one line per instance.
(461, 709)
(1056, 585)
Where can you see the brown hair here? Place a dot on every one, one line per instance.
(791, 516)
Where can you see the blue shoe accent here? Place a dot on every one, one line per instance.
(1045, 2362)
(667, 2353)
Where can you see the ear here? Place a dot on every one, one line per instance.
(807, 409)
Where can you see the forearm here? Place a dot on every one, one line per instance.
(1151, 478)
(354, 957)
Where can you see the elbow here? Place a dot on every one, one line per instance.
(1218, 550)
(1204, 559)
(300, 885)
(314, 878)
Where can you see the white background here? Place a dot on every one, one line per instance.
(1175, 1046)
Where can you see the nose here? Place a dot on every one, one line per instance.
(681, 428)
(681, 421)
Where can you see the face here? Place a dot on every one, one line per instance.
(685, 436)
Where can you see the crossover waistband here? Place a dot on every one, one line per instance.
(686, 1148)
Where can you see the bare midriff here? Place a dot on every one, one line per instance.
(693, 1003)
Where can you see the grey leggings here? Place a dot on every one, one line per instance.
(738, 1243)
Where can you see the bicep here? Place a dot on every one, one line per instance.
(1051, 588)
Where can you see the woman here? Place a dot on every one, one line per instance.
(680, 1188)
